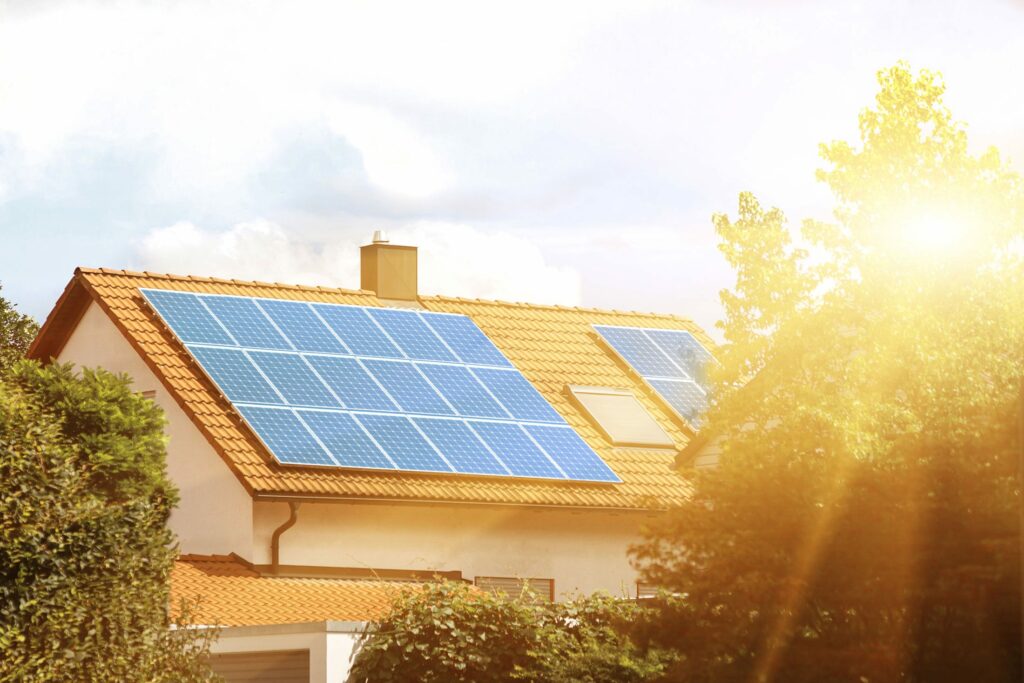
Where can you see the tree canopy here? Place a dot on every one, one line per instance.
(861, 524)
(17, 331)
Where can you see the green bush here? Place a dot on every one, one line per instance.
(85, 554)
(453, 632)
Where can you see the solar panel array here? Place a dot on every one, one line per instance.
(672, 362)
(376, 388)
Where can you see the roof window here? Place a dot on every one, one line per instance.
(620, 417)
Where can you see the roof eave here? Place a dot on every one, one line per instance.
(62, 320)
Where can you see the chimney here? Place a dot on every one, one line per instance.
(388, 269)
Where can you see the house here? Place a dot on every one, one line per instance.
(291, 557)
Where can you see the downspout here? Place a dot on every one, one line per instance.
(275, 540)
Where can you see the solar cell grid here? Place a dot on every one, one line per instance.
(235, 374)
(463, 449)
(411, 334)
(294, 379)
(351, 383)
(466, 339)
(246, 322)
(686, 397)
(358, 331)
(407, 386)
(682, 348)
(302, 326)
(462, 389)
(640, 352)
(188, 318)
(286, 436)
(519, 453)
(571, 453)
(517, 395)
(682, 388)
(345, 439)
(404, 443)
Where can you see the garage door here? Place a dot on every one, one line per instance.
(290, 666)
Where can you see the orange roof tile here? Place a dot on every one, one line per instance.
(552, 346)
(227, 592)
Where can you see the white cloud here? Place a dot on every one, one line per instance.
(395, 157)
(455, 259)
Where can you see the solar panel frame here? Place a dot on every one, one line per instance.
(255, 391)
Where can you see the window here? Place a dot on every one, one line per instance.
(646, 590)
(543, 589)
(150, 394)
(621, 418)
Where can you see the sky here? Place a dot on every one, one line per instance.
(553, 152)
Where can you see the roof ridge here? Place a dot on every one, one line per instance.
(344, 290)
(219, 280)
(555, 307)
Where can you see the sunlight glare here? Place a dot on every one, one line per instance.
(934, 233)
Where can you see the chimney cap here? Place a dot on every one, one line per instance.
(380, 237)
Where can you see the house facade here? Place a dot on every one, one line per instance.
(292, 559)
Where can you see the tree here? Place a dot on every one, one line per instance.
(85, 554)
(862, 523)
(17, 331)
(451, 632)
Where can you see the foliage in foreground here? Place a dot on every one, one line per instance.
(85, 554)
(862, 523)
(453, 632)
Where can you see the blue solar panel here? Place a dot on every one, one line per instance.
(302, 326)
(404, 443)
(571, 453)
(517, 395)
(457, 384)
(466, 339)
(375, 388)
(352, 384)
(681, 382)
(519, 453)
(407, 387)
(293, 378)
(189, 319)
(360, 334)
(411, 334)
(345, 439)
(246, 322)
(235, 374)
(684, 396)
(685, 350)
(640, 352)
(463, 449)
(285, 436)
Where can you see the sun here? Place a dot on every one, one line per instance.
(934, 233)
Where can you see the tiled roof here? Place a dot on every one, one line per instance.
(552, 346)
(228, 592)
